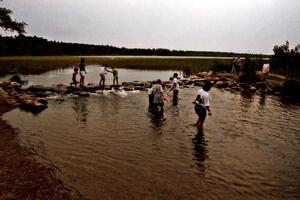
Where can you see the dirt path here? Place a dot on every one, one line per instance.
(21, 176)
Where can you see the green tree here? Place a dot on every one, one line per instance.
(286, 60)
(8, 24)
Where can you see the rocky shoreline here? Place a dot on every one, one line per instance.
(34, 98)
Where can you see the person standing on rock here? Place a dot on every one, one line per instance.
(115, 76)
(202, 104)
(175, 87)
(238, 65)
(103, 72)
(74, 75)
(82, 72)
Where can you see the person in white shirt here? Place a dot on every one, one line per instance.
(203, 104)
(103, 72)
(175, 87)
(265, 70)
(158, 95)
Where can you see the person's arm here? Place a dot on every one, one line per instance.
(172, 87)
(197, 99)
(209, 110)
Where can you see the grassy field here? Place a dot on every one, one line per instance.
(36, 65)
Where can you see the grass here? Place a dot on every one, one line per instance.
(36, 65)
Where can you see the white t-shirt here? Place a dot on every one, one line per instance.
(204, 97)
(266, 68)
(175, 81)
(102, 71)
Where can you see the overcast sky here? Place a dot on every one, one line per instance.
(249, 26)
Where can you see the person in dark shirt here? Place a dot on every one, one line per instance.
(82, 72)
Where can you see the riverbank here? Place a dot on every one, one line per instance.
(21, 175)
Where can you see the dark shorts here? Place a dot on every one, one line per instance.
(175, 94)
(201, 112)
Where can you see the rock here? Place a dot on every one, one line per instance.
(84, 94)
(40, 88)
(252, 89)
(128, 88)
(32, 106)
(210, 73)
(244, 85)
(16, 78)
(42, 101)
(15, 85)
(220, 84)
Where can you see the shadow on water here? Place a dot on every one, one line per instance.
(200, 151)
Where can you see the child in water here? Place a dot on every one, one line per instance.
(158, 96)
(202, 104)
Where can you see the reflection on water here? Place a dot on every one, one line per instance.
(80, 108)
(109, 146)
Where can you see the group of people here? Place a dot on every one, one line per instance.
(202, 101)
(156, 93)
(80, 68)
(236, 65)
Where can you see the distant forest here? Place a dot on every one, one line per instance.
(36, 46)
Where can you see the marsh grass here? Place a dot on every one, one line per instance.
(36, 65)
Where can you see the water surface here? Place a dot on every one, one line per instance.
(108, 146)
(64, 76)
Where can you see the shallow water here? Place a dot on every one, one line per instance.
(109, 147)
(64, 76)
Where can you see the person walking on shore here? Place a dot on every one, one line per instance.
(175, 87)
(265, 70)
(233, 69)
(238, 65)
(202, 104)
(82, 72)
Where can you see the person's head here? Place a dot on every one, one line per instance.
(112, 67)
(175, 75)
(105, 65)
(206, 86)
(81, 60)
(158, 81)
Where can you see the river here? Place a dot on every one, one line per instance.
(108, 146)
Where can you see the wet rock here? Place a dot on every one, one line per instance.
(221, 84)
(244, 85)
(128, 88)
(43, 101)
(15, 85)
(32, 106)
(252, 89)
(17, 78)
(40, 88)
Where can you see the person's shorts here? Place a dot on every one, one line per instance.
(82, 73)
(102, 76)
(175, 94)
(201, 112)
(74, 80)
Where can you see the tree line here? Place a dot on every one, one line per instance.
(36, 46)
